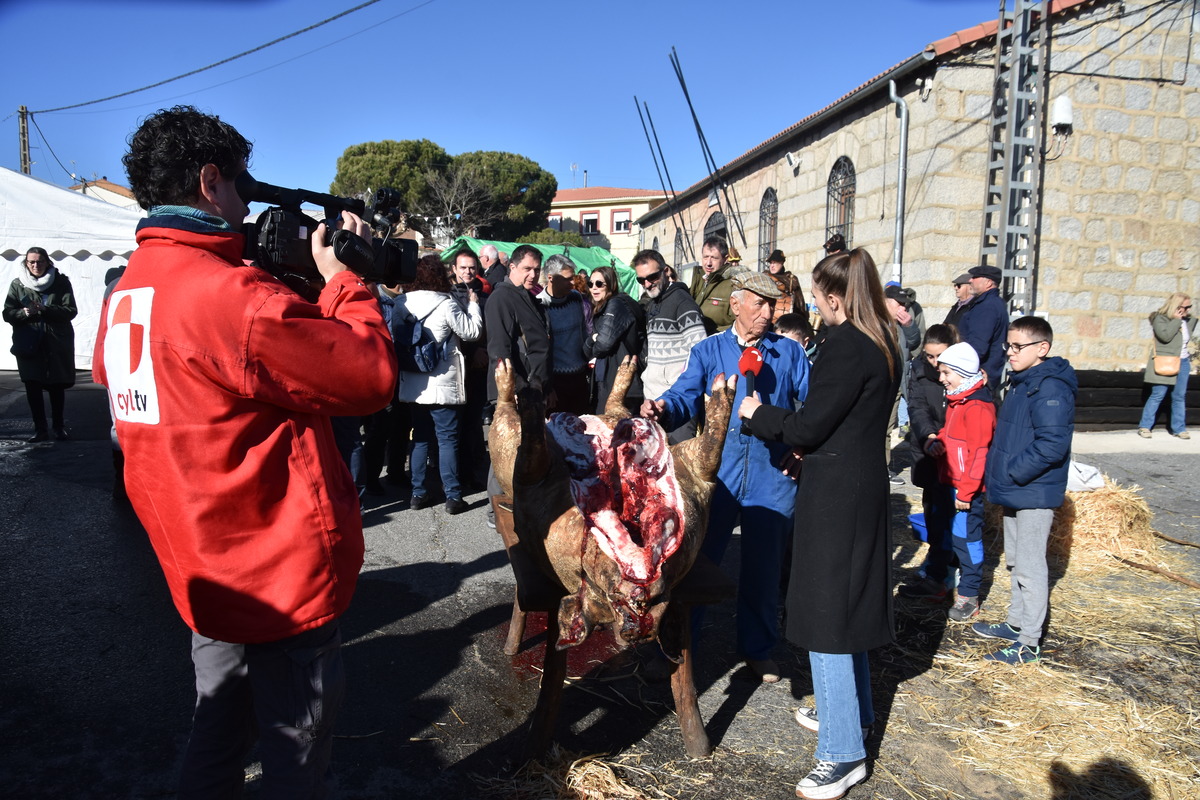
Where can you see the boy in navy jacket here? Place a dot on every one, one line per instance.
(1027, 475)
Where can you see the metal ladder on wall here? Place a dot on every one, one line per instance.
(1012, 197)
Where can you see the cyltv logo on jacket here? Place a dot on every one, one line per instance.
(127, 357)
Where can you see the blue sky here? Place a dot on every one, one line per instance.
(551, 81)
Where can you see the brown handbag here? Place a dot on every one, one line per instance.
(1166, 366)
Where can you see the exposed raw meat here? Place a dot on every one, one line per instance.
(604, 504)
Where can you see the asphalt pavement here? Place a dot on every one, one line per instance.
(96, 678)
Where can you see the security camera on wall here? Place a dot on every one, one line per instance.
(793, 160)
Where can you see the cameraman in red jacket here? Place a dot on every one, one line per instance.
(222, 382)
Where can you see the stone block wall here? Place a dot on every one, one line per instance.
(1120, 223)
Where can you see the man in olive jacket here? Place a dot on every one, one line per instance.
(711, 287)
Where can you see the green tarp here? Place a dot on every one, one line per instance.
(586, 258)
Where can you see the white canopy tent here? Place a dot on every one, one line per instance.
(85, 238)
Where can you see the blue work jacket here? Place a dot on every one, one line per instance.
(750, 468)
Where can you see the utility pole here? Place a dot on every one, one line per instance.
(23, 134)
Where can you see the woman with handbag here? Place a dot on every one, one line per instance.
(1169, 365)
(40, 306)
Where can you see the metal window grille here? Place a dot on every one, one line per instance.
(654, 244)
(768, 226)
(839, 202)
(679, 257)
(716, 226)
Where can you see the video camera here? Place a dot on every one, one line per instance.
(280, 240)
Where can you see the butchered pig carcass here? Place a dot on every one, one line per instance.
(604, 504)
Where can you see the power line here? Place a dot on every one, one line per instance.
(224, 60)
(46, 142)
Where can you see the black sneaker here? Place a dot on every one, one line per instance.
(61, 434)
(830, 780)
(422, 501)
(38, 436)
(924, 589)
(456, 505)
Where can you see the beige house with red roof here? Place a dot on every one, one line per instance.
(111, 193)
(1119, 204)
(605, 216)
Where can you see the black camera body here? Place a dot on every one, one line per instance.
(280, 241)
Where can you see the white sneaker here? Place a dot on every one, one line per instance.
(807, 717)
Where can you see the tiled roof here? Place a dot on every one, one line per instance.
(105, 184)
(604, 193)
(935, 50)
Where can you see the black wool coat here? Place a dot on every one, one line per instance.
(840, 595)
(54, 363)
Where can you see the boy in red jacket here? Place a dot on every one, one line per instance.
(970, 422)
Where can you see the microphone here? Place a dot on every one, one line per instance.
(749, 365)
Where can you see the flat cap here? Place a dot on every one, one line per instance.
(756, 282)
(961, 279)
(985, 272)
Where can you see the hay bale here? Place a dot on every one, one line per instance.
(1090, 528)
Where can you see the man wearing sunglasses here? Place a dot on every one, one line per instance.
(674, 325)
(984, 322)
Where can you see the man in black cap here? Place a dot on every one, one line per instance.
(962, 296)
(984, 322)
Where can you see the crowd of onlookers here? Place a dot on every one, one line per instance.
(234, 423)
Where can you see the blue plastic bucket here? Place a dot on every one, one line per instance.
(918, 525)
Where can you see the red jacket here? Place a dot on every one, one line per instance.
(967, 434)
(222, 382)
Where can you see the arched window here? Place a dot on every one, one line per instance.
(716, 226)
(768, 226)
(654, 244)
(679, 256)
(839, 202)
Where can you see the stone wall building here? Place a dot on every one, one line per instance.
(1120, 211)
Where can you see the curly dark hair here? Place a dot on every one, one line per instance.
(432, 276)
(168, 151)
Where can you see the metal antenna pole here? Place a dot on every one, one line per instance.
(687, 243)
(710, 162)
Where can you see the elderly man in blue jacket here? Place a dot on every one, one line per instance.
(751, 484)
(984, 322)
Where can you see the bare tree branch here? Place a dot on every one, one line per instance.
(459, 202)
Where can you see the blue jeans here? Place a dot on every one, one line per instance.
(1158, 391)
(442, 422)
(764, 537)
(842, 687)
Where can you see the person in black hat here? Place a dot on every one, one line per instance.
(962, 296)
(984, 321)
(835, 244)
(792, 296)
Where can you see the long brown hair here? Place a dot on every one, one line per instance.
(610, 285)
(854, 278)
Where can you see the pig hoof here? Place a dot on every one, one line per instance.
(504, 381)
